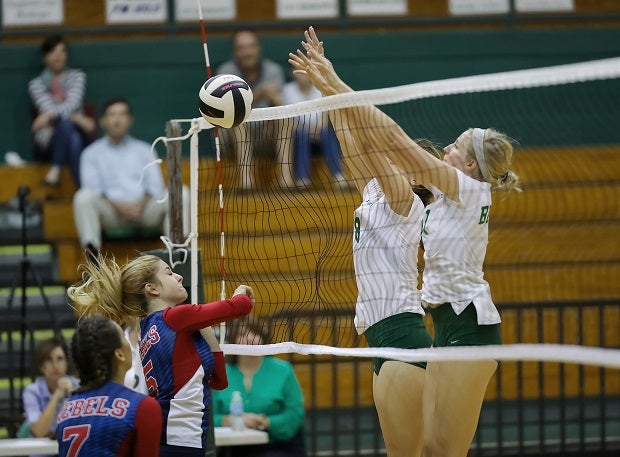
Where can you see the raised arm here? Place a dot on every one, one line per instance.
(350, 152)
(362, 160)
(373, 164)
(376, 131)
(191, 318)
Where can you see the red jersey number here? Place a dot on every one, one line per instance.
(151, 382)
(77, 434)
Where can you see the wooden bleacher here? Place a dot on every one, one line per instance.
(566, 218)
(58, 223)
(557, 240)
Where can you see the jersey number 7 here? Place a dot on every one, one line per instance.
(77, 434)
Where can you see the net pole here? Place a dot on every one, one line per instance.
(193, 189)
(218, 165)
(175, 182)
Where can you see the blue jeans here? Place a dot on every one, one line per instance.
(329, 148)
(65, 147)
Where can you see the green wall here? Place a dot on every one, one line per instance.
(161, 78)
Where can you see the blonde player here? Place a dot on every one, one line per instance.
(179, 366)
(455, 235)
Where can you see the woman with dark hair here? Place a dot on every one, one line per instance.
(60, 127)
(103, 417)
(271, 394)
(43, 398)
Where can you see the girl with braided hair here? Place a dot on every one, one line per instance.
(180, 357)
(103, 417)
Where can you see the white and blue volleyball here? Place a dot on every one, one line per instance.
(225, 100)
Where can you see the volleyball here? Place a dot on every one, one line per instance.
(225, 100)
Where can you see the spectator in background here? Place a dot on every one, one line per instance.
(271, 394)
(119, 188)
(44, 398)
(60, 127)
(311, 130)
(266, 79)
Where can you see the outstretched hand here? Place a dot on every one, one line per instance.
(316, 66)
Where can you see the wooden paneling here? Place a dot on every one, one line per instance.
(70, 254)
(79, 13)
(567, 165)
(58, 222)
(335, 384)
(32, 176)
(555, 241)
(597, 6)
(554, 282)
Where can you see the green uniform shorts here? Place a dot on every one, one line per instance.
(462, 330)
(404, 330)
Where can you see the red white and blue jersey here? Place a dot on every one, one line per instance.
(110, 421)
(178, 363)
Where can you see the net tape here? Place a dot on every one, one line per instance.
(561, 353)
(519, 79)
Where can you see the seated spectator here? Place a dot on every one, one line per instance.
(311, 130)
(103, 417)
(265, 78)
(60, 127)
(44, 398)
(271, 395)
(119, 189)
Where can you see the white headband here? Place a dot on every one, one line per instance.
(477, 139)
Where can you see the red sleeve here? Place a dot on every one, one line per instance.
(219, 379)
(190, 318)
(148, 428)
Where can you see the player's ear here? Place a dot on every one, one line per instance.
(119, 354)
(470, 166)
(151, 289)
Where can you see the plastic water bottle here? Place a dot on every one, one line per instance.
(236, 412)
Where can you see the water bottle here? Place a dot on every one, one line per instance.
(236, 412)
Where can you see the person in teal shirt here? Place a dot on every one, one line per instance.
(272, 398)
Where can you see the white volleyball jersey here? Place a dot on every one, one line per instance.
(455, 237)
(134, 378)
(385, 255)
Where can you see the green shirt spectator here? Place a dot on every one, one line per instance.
(272, 399)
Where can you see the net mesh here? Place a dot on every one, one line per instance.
(291, 239)
(552, 260)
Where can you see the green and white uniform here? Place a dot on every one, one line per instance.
(455, 237)
(385, 251)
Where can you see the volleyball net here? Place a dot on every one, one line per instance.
(272, 212)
